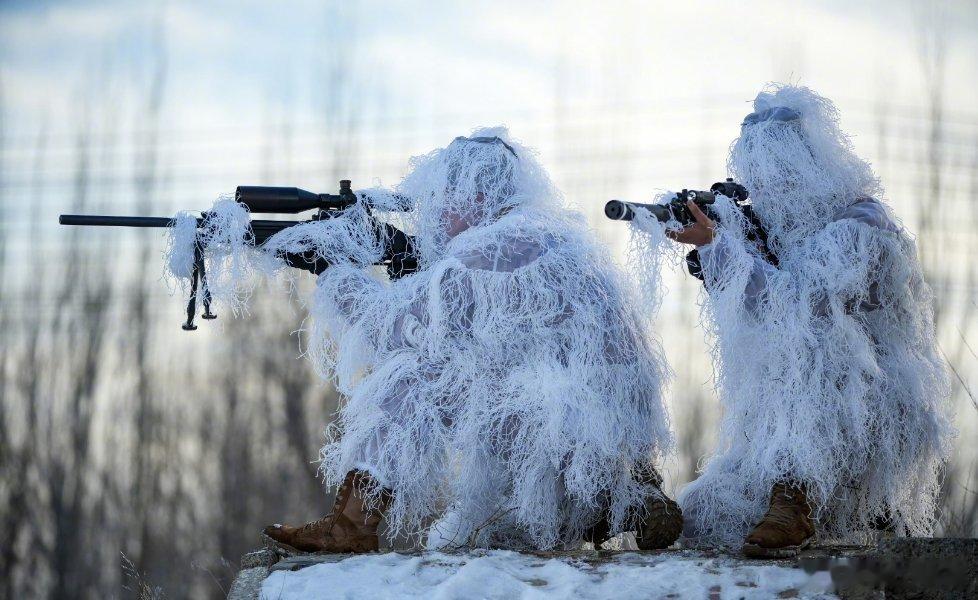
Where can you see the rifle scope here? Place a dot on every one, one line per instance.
(292, 200)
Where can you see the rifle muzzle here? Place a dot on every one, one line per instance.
(616, 210)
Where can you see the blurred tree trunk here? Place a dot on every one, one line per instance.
(953, 281)
(149, 455)
(82, 294)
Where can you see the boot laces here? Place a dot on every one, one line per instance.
(312, 526)
(342, 497)
(784, 501)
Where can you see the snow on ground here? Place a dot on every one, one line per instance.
(504, 574)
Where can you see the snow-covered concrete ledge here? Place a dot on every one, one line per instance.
(505, 574)
(899, 568)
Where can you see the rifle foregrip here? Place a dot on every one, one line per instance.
(307, 261)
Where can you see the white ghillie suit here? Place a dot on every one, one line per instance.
(510, 381)
(828, 369)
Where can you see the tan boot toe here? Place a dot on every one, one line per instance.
(786, 529)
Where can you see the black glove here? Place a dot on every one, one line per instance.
(307, 261)
(693, 264)
(399, 251)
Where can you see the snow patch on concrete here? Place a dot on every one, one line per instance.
(504, 574)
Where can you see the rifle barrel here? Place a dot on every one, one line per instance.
(262, 229)
(112, 221)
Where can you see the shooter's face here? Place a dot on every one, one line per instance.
(456, 223)
(772, 161)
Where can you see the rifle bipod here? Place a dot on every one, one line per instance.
(199, 273)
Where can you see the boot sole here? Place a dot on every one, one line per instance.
(281, 548)
(286, 550)
(756, 551)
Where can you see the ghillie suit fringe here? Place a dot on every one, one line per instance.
(828, 369)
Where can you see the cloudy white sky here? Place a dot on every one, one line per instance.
(226, 59)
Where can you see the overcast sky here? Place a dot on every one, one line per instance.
(226, 58)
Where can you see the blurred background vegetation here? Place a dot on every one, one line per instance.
(121, 435)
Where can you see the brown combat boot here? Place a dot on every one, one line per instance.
(600, 531)
(349, 527)
(786, 529)
(662, 520)
(660, 524)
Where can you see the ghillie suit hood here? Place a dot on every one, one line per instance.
(798, 165)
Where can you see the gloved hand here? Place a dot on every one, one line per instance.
(693, 264)
(307, 261)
